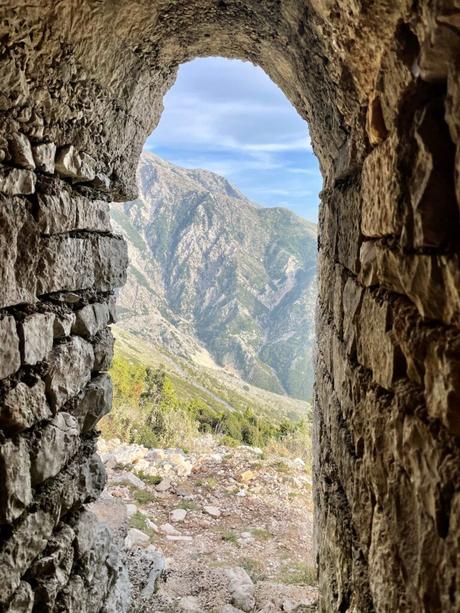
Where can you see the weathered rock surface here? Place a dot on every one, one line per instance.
(377, 81)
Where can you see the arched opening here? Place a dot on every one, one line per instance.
(219, 305)
(82, 87)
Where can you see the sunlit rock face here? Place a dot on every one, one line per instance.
(82, 86)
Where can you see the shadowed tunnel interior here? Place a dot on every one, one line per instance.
(82, 87)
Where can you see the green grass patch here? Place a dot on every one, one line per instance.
(143, 496)
(299, 574)
(149, 479)
(230, 537)
(261, 534)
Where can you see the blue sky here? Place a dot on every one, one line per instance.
(229, 117)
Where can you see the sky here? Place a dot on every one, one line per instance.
(229, 117)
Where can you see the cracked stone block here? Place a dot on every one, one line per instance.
(74, 164)
(16, 181)
(23, 406)
(10, 357)
(380, 191)
(70, 368)
(27, 541)
(18, 252)
(15, 483)
(96, 402)
(71, 264)
(23, 599)
(44, 155)
(59, 441)
(375, 347)
(52, 569)
(21, 151)
(63, 211)
(37, 335)
(110, 254)
(63, 324)
(103, 350)
(442, 384)
(91, 319)
(65, 264)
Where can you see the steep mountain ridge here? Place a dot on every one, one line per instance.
(218, 279)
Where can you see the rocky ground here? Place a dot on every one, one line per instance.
(216, 529)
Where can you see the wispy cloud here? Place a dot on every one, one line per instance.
(227, 116)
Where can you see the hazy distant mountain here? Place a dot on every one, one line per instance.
(216, 278)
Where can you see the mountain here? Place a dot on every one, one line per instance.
(218, 280)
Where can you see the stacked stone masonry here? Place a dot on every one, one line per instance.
(378, 82)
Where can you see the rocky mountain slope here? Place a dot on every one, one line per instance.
(217, 279)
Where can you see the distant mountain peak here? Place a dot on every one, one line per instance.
(212, 271)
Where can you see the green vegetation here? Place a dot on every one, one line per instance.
(143, 497)
(299, 574)
(148, 410)
(230, 537)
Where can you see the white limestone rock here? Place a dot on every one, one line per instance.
(23, 599)
(74, 164)
(135, 538)
(21, 151)
(63, 324)
(37, 335)
(16, 488)
(59, 441)
(96, 401)
(70, 368)
(18, 252)
(212, 511)
(44, 155)
(178, 515)
(16, 181)
(91, 319)
(241, 588)
(10, 357)
(24, 405)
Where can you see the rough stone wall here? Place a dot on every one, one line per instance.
(82, 86)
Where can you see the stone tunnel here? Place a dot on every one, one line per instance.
(82, 83)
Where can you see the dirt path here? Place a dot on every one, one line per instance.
(236, 509)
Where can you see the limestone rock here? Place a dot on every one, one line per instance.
(96, 401)
(241, 588)
(59, 441)
(136, 538)
(63, 324)
(61, 210)
(178, 515)
(212, 511)
(15, 181)
(18, 252)
(24, 405)
(70, 368)
(103, 350)
(27, 541)
(23, 599)
(36, 333)
(74, 164)
(21, 151)
(52, 569)
(15, 483)
(190, 604)
(157, 566)
(91, 319)
(44, 155)
(131, 509)
(169, 529)
(10, 357)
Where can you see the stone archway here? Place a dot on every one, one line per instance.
(82, 86)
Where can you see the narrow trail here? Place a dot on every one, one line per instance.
(224, 530)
